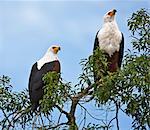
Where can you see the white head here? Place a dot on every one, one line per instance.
(110, 16)
(53, 49)
(51, 55)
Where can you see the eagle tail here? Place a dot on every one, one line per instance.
(34, 107)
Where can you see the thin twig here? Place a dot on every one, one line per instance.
(59, 118)
(117, 120)
(61, 110)
(89, 113)
(54, 127)
(111, 121)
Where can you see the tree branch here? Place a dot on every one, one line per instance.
(117, 120)
(90, 114)
(83, 92)
(54, 127)
(62, 111)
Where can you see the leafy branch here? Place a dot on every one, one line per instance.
(127, 90)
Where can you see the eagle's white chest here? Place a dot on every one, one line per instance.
(109, 38)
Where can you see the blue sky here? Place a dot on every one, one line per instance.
(28, 28)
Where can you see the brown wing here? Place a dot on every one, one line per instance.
(113, 62)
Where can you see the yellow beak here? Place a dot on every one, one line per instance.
(56, 49)
(112, 13)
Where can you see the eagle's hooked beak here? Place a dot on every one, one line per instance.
(112, 13)
(56, 49)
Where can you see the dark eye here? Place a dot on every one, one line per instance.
(53, 47)
(109, 13)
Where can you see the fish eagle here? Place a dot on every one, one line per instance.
(111, 40)
(48, 63)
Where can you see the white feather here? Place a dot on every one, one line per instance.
(109, 36)
(48, 57)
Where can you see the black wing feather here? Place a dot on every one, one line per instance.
(32, 75)
(121, 51)
(96, 42)
(35, 81)
(96, 45)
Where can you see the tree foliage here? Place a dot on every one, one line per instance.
(139, 25)
(55, 92)
(127, 90)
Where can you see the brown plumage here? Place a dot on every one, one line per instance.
(111, 41)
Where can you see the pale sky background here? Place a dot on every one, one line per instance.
(28, 28)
